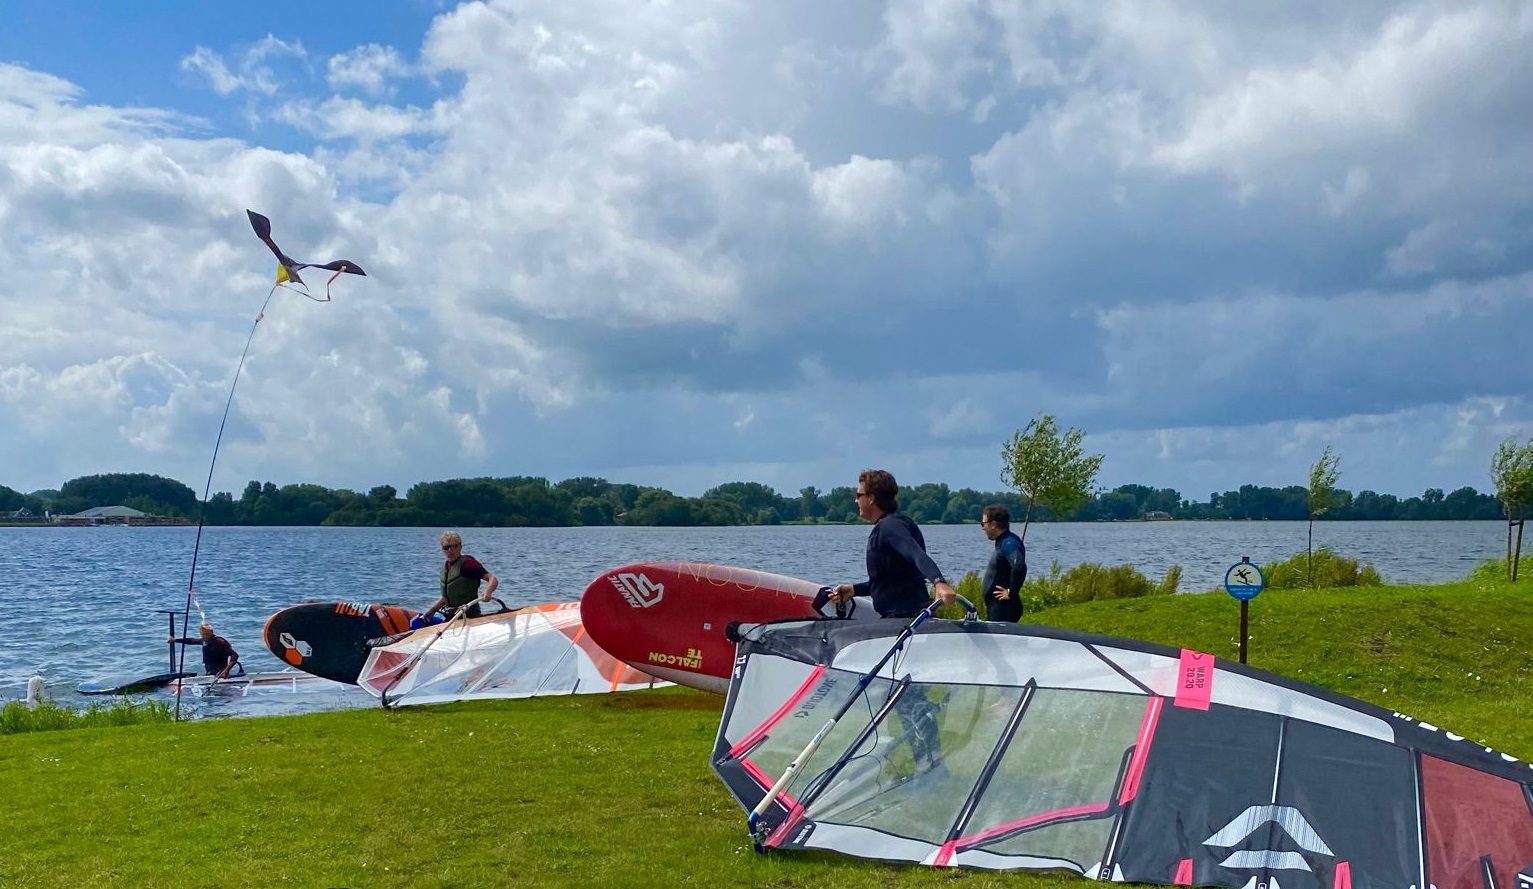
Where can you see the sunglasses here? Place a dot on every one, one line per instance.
(448, 546)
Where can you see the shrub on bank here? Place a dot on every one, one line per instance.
(1331, 569)
(1083, 583)
(15, 718)
(1494, 571)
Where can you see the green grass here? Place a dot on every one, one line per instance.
(616, 790)
(15, 718)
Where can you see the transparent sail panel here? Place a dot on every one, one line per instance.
(791, 733)
(1052, 793)
(914, 774)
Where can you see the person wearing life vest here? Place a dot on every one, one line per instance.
(461, 576)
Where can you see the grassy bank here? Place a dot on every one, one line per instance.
(616, 790)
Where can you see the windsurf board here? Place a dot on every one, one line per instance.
(670, 619)
(329, 639)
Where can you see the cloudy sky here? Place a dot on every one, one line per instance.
(685, 242)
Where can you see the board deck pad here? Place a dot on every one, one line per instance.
(329, 639)
(669, 619)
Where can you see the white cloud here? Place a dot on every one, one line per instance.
(857, 236)
(370, 68)
(253, 70)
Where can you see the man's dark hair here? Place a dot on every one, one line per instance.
(998, 516)
(883, 487)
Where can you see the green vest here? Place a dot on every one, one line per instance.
(457, 589)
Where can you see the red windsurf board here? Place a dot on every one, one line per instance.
(669, 618)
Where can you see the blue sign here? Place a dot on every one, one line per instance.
(1244, 580)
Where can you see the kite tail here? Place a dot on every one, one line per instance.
(207, 488)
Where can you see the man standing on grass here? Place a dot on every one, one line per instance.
(1007, 570)
(898, 571)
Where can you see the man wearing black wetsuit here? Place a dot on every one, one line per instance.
(1007, 570)
(898, 566)
(898, 569)
(218, 657)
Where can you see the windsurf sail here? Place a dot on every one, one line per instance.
(541, 650)
(1012, 747)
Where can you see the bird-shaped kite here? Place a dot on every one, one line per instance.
(287, 267)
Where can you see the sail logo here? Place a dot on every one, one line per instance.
(1255, 818)
(692, 660)
(816, 698)
(294, 651)
(638, 590)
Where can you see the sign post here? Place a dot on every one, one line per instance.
(1244, 581)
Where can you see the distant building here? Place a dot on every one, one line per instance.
(1157, 515)
(21, 515)
(116, 515)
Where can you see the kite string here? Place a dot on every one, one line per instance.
(207, 488)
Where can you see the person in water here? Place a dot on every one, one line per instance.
(218, 657)
(1007, 570)
(461, 576)
(898, 571)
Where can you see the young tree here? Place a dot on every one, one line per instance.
(1511, 469)
(1322, 496)
(1048, 468)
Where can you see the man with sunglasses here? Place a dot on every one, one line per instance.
(461, 576)
(1007, 570)
(898, 566)
(898, 571)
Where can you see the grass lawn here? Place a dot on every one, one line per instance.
(616, 790)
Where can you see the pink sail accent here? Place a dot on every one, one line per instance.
(794, 814)
(1031, 821)
(1183, 873)
(1194, 680)
(1141, 749)
(1343, 876)
(760, 731)
(945, 854)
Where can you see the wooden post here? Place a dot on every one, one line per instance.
(1243, 634)
(170, 618)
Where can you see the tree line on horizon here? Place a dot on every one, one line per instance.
(517, 501)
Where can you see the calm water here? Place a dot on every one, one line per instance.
(79, 602)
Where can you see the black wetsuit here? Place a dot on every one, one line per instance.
(1007, 568)
(216, 652)
(898, 567)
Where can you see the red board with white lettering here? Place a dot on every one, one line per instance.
(669, 618)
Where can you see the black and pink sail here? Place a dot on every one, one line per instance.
(1030, 748)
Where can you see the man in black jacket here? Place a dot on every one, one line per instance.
(898, 566)
(898, 571)
(1007, 570)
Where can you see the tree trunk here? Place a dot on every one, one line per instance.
(1311, 551)
(1517, 555)
(1511, 569)
(1027, 517)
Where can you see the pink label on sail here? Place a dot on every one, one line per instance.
(1194, 680)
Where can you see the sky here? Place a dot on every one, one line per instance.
(687, 242)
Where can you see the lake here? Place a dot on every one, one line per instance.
(80, 602)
